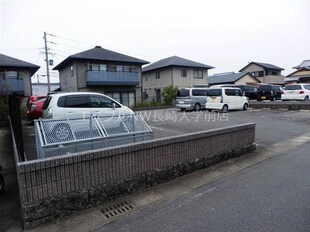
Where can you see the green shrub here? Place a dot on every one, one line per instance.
(169, 94)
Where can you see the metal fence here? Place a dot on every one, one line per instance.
(62, 136)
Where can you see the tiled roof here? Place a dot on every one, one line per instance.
(100, 54)
(10, 62)
(175, 61)
(304, 64)
(264, 65)
(229, 78)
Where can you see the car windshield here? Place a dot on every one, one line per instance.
(265, 88)
(214, 92)
(183, 93)
(292, 87)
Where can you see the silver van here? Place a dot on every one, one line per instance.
(191, 98)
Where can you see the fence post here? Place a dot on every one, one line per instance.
(14, 112)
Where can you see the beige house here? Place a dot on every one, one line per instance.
(265, 73)
(15, 76)
(301, 75)
(175, 71)
(104, 71)
(233, 78)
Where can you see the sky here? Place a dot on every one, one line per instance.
(226, 34)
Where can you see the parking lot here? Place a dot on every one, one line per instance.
(272, 126)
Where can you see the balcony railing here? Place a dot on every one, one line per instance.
(112, 78)
(11, 85)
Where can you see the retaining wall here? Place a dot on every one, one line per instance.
(281, 105)
(54, 187)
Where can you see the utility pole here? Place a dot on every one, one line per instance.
(47, 64)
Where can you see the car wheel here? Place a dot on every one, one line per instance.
(272, 98)
(182, 109)
(225, 109)
(245, 106)
(1, 183)
(209, 110)
(307, 98)
(62, 132)
(197, 107)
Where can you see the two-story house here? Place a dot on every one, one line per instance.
(175, 71)
(15, 76)
(104, 71)
(265, 73)
(301, 75)
(233, 78)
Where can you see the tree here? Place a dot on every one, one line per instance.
(169, 94)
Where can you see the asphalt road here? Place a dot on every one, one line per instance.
(272, 126)
(270, 196)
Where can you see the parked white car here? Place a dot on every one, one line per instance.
(296, 92)
(225, 99)
(82, 105)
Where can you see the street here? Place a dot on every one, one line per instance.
(272, 195)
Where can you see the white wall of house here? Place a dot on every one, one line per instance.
(245, 80)
(253, 68)
(170, 76)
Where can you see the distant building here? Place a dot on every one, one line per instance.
(104, 71)
(301, 75)
(175, 71)
(15, 76)
(265, 73)
(233, 78)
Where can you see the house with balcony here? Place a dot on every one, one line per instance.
(233, 78)
(15, 76)
(104, 71)
(301, 75)
(265, 73)
(175, 71)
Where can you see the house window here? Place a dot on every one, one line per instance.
(71, 69)
(258, 74)
(157, 75)
(183, 73)
(198, 74)
(112, 68)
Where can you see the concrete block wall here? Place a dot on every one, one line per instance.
(54, 187)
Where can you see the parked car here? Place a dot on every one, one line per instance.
(296, 92)
(269, 92)
(191, 98)
(83, 105)
(34, 109)
(1, 181)
(225, 99)
(249, 91)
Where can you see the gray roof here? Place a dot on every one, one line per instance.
(10, 62)
(100, 54)
(264, 65)
(304, 64)
(175, 61)
(229, 78)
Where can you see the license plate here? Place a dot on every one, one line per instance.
(263, 97)
(213, 98)
(181, 102)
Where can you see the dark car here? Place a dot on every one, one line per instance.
(249, 91)
(269, 92)
(34, 107)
